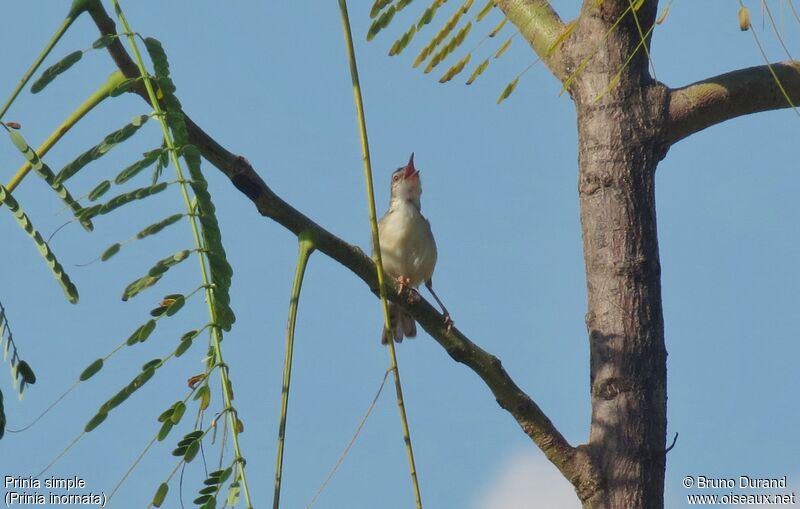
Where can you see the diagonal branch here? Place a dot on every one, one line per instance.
(694, 107)
(573, 462)
(540, 25)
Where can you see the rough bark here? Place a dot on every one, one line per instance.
(619, 149)
(621, 141)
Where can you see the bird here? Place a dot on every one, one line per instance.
(408, 249)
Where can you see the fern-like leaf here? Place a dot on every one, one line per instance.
(101, 148)
(47, 175)
(54, 70)
(478, 71)
(508, 90)
(448, 48)
(455, 69)
(443, 33)
(44, 249)
(155, 273)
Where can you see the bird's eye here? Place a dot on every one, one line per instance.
(395, 178)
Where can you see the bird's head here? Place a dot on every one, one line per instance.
(406, 184)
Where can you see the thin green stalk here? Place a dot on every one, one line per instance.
(73, 14)
(642, 36)
(93, 100)
(376, 250)
(307, 243)
(769, 66)
(351, 442)
(198, 238)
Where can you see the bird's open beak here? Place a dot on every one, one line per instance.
(411, 172)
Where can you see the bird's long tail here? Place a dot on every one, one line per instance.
(403, 325)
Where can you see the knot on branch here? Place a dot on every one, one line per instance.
(611, 388)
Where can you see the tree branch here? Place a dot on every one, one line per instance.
(573, 462)
(694, 107)
(541, 26)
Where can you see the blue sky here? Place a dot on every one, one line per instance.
(269, 81)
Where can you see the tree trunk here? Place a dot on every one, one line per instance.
(621, 141)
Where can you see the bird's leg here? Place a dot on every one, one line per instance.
(405, 282)
(447, 320)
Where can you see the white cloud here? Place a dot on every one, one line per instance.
(526, 480)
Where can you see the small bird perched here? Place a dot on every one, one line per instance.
(408, 249)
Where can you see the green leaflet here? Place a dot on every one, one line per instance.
(186, 342)
(110, 251)
(123, 87)
(154, 363)
(148, 370)
(101, 148)
(123, 199)
(117, 399)
(189, 445)
(442, 34)
(141, 333)
(455, 69)
(401, 43)
(104, 41)
(99, 190)
(44, 249)
(21, 372)
(233, 493)
(485, 10)
(24, 370)
(448, 48)
(134, 169)
(154, 274)
(157, 227)
(166, 427)
(204, 396)
(177, 412)
(95, 421)
(498, 27)
(54, 70)
(47, 175)
(478, 71)
(378, 6)
(91, 370)
(145, 330)
(158, 56)
(382, 22)
(161, 494)
(176, 305)
(429, 13)
(503, 48)
(202, 500)
(508, 90)
(221, 271)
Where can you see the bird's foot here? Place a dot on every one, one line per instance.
(404, 282)
(448, 322)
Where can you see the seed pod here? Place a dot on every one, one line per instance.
(744, 18)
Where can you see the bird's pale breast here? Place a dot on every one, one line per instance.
(407, 244)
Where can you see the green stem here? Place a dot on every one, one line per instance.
(307, 244)
(93, 100)
(216, 334)
(73, 14)
(376, 250)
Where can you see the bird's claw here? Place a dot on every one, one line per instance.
(448, 323)
(403, 282)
